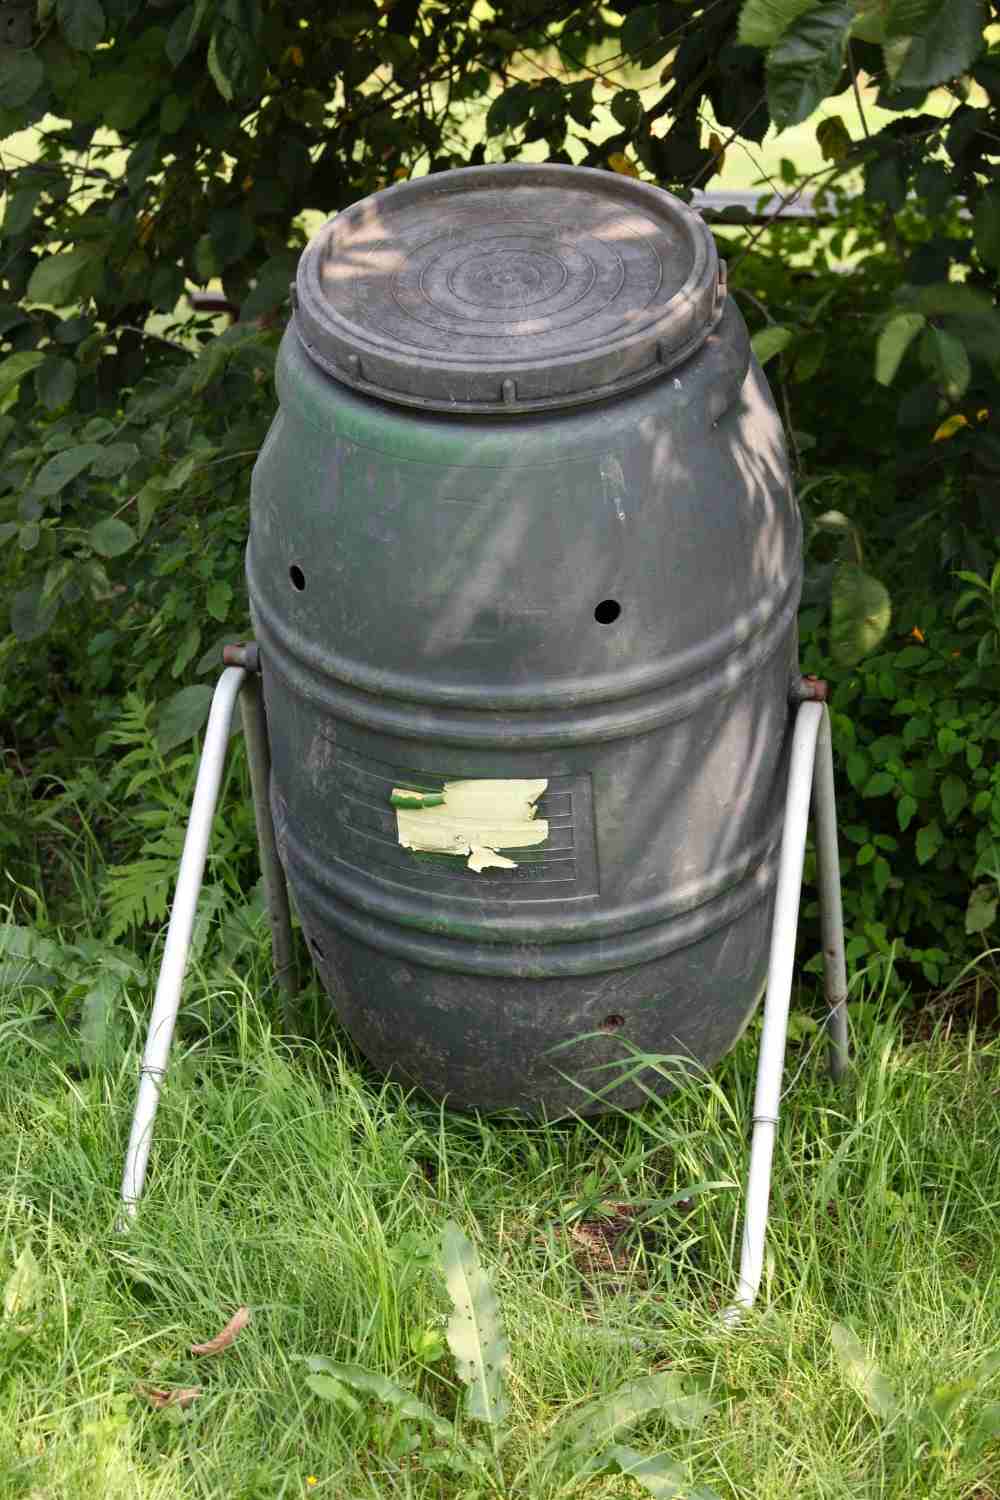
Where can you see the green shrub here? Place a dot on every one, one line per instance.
(916, 729)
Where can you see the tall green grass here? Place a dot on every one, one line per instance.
(286, 1176)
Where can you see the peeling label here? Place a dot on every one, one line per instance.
(489, 859)
(473, 818)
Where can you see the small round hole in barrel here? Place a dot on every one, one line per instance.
(297, 576)
(607, 611)
(612, 1023)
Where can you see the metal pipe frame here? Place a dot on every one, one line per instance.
(810, 777)
(237, 681)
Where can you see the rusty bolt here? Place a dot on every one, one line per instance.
(245, 654)
(810, 689)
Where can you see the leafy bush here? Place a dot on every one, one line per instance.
(916, 729)
(125, 445)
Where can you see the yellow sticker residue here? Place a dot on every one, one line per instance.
(475, 818)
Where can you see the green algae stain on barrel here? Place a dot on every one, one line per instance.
(525, 516)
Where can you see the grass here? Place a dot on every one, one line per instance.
(287, 1177)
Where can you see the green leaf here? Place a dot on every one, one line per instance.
(180, 36)
(905, 809)
(126, 96)
(863, 1374)
(985, 1428)
(475, 1331)
(55, 382)
(600, 1421)
(657, 1474)
(946, 357)
(868, 24)
(182, 716)
(931, 41)
(218, 599)
(14, 368)
(885, 180)
(173, 112)
(148, 502)
(810, 352)
(182, 471)
(981, 911)
(929, 841)
(25, 943)
(804, 65)
(20, 208)
(881, 874)
(115, 459)
(893, 342)
(510, 109)
(860, 613)
(878, 785)
(762, 22)
(30, 614)
(232, 232)
(954, 796)
(227, 61)
(986, 227)
(770, 341)
(100, 1006)
(54, 279)
(21, 74)
(187, 649)
(112, 537)
(82, 23)
(330, 1389)
(271, 289)
(23, 1287)
(640, 28)
(833, 138)
(372, 1384)
(626, 107)
(64, 466)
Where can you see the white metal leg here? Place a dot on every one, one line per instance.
(175, 952)
(810, 771)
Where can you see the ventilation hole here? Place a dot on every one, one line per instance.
(607, 611)
(297, 576)
(612, 1023)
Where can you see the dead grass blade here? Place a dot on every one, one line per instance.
(237, 1322)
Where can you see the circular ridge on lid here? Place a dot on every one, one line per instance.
(508, 288)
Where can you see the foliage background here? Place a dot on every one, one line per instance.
(179, 146)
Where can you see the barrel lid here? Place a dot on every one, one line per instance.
(508, 288)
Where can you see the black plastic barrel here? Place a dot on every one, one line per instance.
(524, 515)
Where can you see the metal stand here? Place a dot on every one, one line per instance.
(239, 680)
(810, 775)
(811, 771)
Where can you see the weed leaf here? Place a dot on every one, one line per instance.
(23, 1285)
(475, 1331)
(863, 1373)
(99, 1009)
(599, 1422)
(657, 1474)
(372, 1384)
